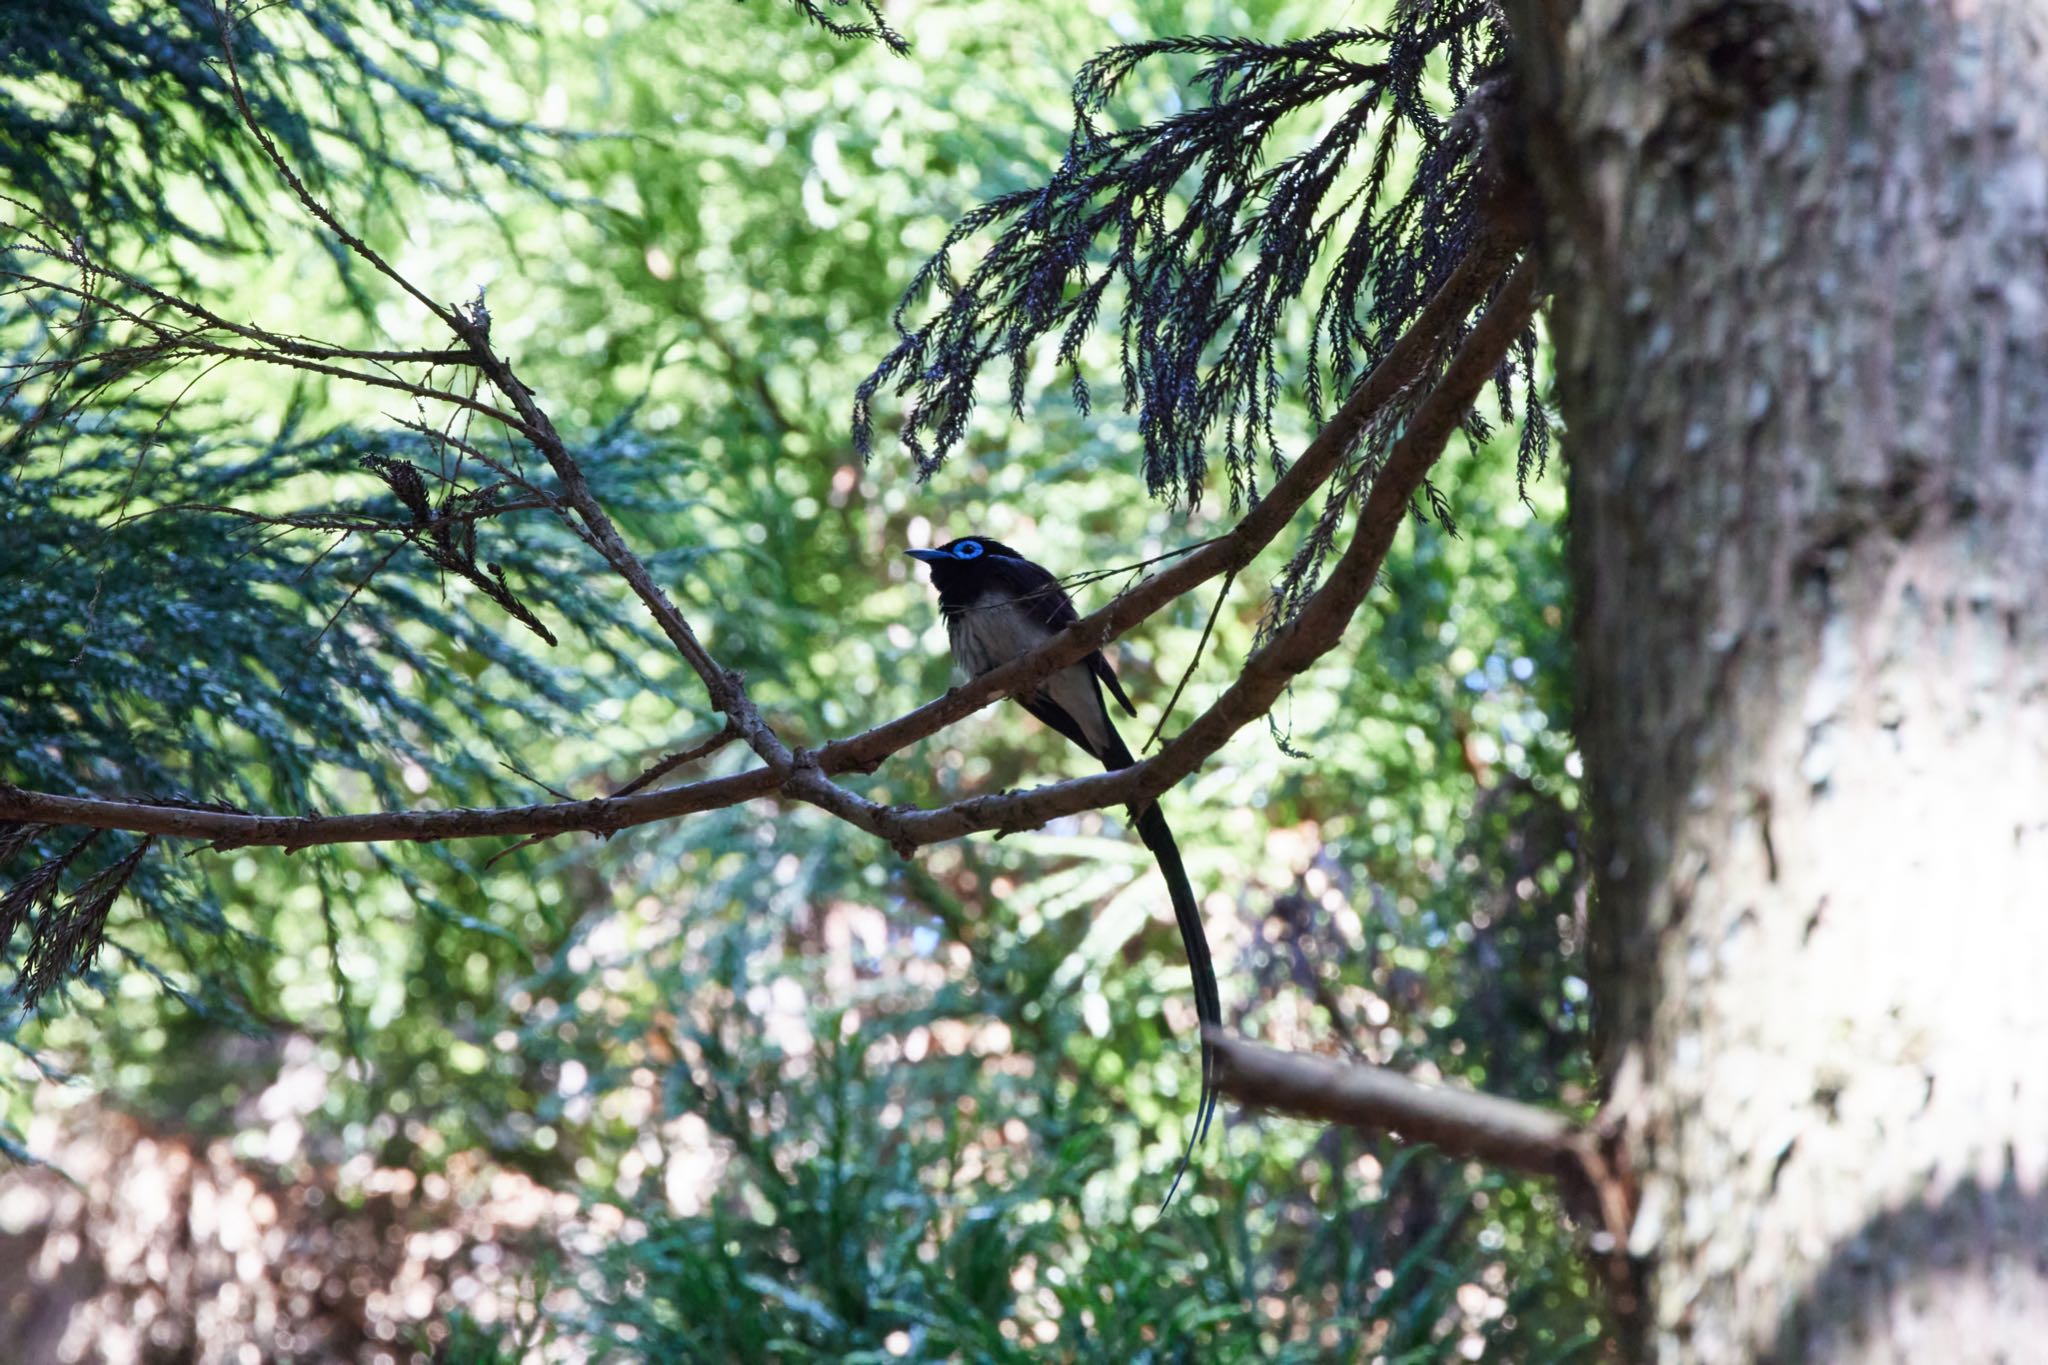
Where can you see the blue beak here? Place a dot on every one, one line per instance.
(929, 556)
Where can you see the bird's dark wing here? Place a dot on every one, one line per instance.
(1040, 596)
(1100, 667)
(1054, 716)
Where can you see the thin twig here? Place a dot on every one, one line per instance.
(298, 187)
(375, 569)
(1222, 595)
(526, 776)
(670, 762)
(667, 764)
(1086, 576)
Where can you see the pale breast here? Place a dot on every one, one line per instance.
(992, 632)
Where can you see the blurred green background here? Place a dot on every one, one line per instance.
(746, 1086)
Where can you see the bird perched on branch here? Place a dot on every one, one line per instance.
(1000, 606)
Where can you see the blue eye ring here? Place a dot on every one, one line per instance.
(967, 549)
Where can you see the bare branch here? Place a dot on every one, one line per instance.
(355, 522)
(236, 829)
(727, 689)
(1588, 1160)
(175, 343)
(305, 196)
(1465, 1123)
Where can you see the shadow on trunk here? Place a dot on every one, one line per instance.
(1964, 1278)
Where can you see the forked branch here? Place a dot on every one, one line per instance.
(806, 775)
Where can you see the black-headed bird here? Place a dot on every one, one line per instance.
(1000, 606)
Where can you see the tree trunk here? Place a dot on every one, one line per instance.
(1800, 252)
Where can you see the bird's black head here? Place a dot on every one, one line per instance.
(961, 568)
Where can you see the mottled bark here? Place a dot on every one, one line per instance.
(1800, 253)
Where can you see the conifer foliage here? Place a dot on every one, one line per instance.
(128, 100)
(308, 621)
(182, 626)
(1321, 195)
(1207, 235)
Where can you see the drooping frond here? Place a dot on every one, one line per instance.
(183, 627)
(107, 110)
(1284, 189)
(875, 26)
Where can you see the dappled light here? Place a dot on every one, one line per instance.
(788, 1068)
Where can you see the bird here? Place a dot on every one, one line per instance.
(1000, 606)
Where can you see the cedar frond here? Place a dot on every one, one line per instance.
(1208, 231)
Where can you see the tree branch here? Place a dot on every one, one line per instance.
(727, 689)
(1587, 1160)
(472, 327)
(306, 199)
(1315, 630)
(806, 776)
(1465, 1123)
